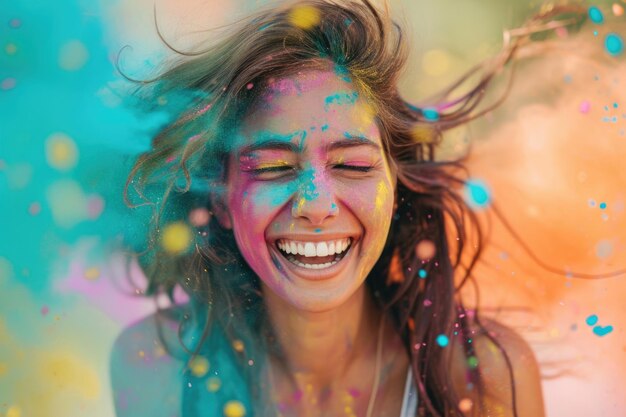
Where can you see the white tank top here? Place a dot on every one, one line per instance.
(409, 402)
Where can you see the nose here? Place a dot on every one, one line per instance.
(315, 199)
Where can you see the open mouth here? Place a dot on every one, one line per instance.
(314, 255)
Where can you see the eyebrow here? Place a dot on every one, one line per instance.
(281, 145)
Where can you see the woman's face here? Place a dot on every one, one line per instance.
(310, 193)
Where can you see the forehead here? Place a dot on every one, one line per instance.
(324, 104)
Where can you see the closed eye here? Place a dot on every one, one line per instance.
(277, 168)
(358, 168)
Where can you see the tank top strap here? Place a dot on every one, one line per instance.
(409, 401)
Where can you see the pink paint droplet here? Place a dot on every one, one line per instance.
(297, 395)
(15, 23)
(428, 303)
(34, 209)
(584, 107)
(8, 83)
(44, 310)
(249, 86)
(95, 205)
(354, 393)
(561, 32)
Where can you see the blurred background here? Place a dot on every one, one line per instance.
(551, 160)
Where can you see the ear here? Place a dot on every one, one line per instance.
(220, 210)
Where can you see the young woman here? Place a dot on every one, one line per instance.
(299, 204)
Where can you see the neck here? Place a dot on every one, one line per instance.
(319, 347)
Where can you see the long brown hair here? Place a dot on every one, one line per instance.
(214, 87)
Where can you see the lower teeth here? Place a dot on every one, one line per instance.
(293, 260)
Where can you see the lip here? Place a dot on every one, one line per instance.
(315, 274)
(318, 237)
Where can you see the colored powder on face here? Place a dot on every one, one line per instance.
(341, 98)
(442, 340)
(596, 15)
(614, 44)
(381, 195)
(602, 331)
(591, 320)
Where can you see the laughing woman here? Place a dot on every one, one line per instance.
(299, 205)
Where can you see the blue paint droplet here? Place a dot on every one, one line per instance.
(477, 193)
(324, 128)
(602, 331)
(431, 115)
(615, 105)
(591, 320)
(614, 44)
(318, 230)
(596, 15)
(347, 22)
(602, 206)
(442, 340)
(422, 273)
(595, 33)
(592, 203)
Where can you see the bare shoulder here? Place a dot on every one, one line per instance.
(145, 367)
(509, 368)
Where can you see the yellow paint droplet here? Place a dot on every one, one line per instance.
(3, 369)
(465, 405)
(436, 62)
(159, 351)
(199, 366)
(141, 353)
(213, 384)
(10, 49)
(61, 152)
(238, 345)
(304, 17)
(73, 55)
(618, 10)
(14, 411)
(92, 273)
(234, 408)
(176, 238)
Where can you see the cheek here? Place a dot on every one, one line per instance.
(255, 205)
(371, 201)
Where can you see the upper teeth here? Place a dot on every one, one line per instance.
(309, 249)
